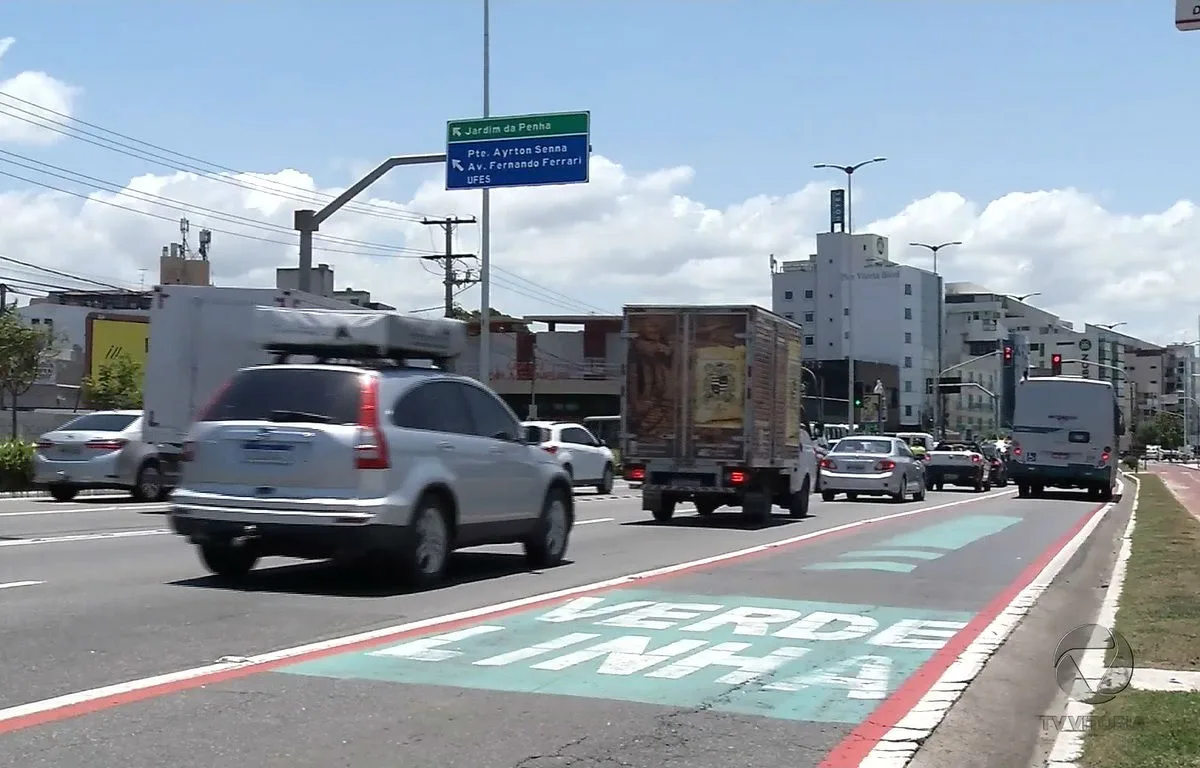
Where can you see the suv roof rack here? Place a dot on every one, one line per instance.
(359, 336)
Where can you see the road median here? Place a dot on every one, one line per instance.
(1159, 616)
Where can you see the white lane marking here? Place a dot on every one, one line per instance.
(900, 744)
(82, 537)
(381, 635)
(76, 510)
(155, 532)
(1068, 745)
(12, 584)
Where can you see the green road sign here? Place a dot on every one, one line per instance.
(518, 127)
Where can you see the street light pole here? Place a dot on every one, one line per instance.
(849, 171)
(939, 414)
(485, 223)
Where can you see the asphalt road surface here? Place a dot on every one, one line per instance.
(795, 643)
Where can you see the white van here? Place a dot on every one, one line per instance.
(1064, 435)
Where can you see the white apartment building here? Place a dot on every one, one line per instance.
(851, 298)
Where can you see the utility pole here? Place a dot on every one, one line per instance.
(450, 280)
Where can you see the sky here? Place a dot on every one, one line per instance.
(1057, 144)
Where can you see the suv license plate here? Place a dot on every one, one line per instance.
(267, 453)
(685, 482)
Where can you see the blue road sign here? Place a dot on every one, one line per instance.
(521, 151)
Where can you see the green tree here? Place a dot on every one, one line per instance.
(1165, 429)
(24, 349)
(117, 385)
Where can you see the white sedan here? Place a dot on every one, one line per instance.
(588, 461)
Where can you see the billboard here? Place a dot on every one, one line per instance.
(109, 336)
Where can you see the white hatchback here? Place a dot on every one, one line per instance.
(587, 460)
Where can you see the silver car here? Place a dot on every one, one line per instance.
(99, 450)
(872, 466)
(399, 466)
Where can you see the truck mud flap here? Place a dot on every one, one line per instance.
(756, 507)
(651, 500)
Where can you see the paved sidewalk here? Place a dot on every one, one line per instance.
(1183, 481)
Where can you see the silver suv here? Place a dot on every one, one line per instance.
(404, 463)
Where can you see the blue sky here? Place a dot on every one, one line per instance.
(979, 98)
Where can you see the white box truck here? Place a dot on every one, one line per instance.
(199, 336)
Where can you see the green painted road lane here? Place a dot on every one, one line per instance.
(789, 659)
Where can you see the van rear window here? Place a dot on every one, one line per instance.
(1079, 437)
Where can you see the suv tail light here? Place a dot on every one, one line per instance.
(105, 445)
(886, 465)
(828, 464)
(370, 449)
(926, 457)
(975, 458)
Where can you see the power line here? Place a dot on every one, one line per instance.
(180, 206)
(187, 163)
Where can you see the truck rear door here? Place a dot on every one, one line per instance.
(654, 388)
(716, 382)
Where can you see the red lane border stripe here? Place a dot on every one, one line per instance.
(857, 744)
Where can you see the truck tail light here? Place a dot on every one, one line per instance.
(737, 477)
(635, 474)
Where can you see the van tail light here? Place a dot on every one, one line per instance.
(205, 413)
(886, 465)
(189, 451)
(370, 449)
(106, 445)
(828, 464)
(636, 474)
(737, 477)
(976, 458)
(550, 448)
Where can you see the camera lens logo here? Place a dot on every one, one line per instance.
(1099, 678)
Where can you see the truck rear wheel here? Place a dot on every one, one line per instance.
(798, 504)
(705, 507)
(664, 510)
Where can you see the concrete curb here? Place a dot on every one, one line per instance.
(1068, 745)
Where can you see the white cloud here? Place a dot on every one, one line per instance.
(627, 237)
(22, 121)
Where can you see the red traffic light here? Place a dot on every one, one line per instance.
(1008, 352)
(1055, 359)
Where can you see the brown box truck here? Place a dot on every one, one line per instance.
(712, 411)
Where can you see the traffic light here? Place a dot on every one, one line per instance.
(859, 391)
(1056, 364)
(1008, 354)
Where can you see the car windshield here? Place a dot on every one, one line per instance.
(862, 446)
(101, 422)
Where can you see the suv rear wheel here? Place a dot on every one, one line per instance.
(428, 549)
(547, 546)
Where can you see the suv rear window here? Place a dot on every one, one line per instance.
(289, 394)
(101, 422)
